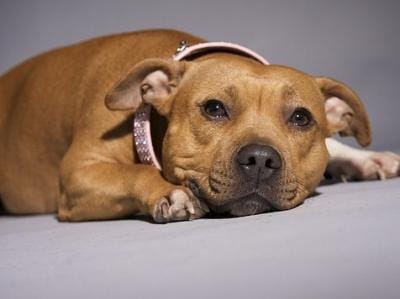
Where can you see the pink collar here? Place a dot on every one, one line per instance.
(141, 121)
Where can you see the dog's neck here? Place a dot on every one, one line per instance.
(141, 121)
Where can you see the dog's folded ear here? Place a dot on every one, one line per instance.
(152, 81)
(345, 112)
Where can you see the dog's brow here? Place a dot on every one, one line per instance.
(289, 92)
(232, 92)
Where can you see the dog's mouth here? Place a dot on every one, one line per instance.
(254, 202)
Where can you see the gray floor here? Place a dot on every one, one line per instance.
(343, 243)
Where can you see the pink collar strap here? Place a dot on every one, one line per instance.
(141, 121)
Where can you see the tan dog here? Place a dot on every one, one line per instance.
(242, 137)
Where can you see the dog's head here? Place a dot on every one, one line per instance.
(244, 137)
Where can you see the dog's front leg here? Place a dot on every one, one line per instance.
(348, 163)
(110, 190)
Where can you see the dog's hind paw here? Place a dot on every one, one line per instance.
(388, 164)
(374, 165)
(177, 206)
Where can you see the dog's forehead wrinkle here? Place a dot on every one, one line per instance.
(266, 96)
(235, 75)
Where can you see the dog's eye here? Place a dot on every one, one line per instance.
(301, 117)
(215, 109)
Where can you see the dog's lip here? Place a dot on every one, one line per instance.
(194, 186)
(197, 191)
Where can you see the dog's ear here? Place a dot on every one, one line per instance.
(345, 112)
(152, 81)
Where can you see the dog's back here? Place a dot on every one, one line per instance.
(32, 133)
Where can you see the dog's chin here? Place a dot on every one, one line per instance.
(281, 197)
(249, 205)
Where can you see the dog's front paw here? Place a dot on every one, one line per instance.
(375, 165)
(177, 206)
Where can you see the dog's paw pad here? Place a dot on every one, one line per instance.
(177, 206)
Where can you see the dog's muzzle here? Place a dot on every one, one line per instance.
(257, 171)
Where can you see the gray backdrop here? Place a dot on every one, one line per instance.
(354, 41)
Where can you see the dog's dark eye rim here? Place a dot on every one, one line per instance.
(302, 118)
(214, 109)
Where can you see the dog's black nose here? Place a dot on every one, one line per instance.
(258, 162)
